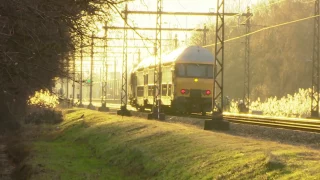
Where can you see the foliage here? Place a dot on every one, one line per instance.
(36, 39)
(296, 105)
(234, 106)
(280, 58)
(44, 98)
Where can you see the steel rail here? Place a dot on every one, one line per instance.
(276, 124)
(307, 125)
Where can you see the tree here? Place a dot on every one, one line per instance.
(36, 37)
(280, 59)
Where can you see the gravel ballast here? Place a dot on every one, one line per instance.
(285, 136)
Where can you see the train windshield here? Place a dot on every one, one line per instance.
(194, 70)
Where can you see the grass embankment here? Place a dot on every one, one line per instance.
(104, 146)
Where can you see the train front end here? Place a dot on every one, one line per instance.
(193, 81)
(193, 88)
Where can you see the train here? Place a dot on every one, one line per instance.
(186, 81)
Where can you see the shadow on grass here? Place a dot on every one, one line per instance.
(275, 165)
(18, 151)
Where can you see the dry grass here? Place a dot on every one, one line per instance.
(104, 146)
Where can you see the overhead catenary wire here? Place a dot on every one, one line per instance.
(266, 28)
(143, 38)
(269, 6)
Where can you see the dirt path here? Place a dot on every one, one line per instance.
(6, 166)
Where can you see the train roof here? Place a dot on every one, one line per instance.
(187, 54)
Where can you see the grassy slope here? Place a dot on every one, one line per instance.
(104, 146)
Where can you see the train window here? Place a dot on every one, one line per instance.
(210, 71)
(169, 89)
(150, 90)
(140, 78)
(196, 70)
(145, 79)
(180, 70)
(166, 75)
(140, 91)
(164, 90)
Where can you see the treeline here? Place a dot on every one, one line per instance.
(36, 39)
(280, 57)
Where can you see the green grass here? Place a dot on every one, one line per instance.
(104, 146)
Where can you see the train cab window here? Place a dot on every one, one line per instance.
(196, 70)
(180, 70)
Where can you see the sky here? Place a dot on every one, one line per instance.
(170, 21)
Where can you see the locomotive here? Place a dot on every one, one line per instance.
(186, 81)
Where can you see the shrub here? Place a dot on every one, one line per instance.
(46, 116)
(44, 98)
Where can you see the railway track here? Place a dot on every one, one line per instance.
(301, 124)
(309, 125)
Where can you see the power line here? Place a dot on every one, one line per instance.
(113, 7)
(266, 28)
(273, 4)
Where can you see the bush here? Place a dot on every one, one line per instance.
(44, 98)
(46, 116)
(296, 105)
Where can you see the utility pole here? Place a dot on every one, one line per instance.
(139, 56)
(217, 121)
(246, 97)
(90, 106)
(105, 83)
(176, 41)
(62, 89)
(67, 81)
(106, 66)
(102, 70)
(204, 42)
(124, 93)
(74, 76)
(218, 63)
(115, 79)
(81, 69)
(156, 110)
(315, 64)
